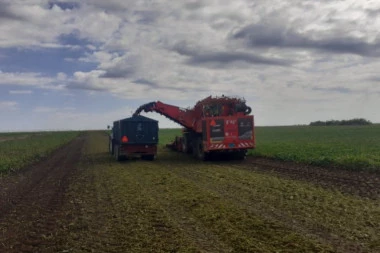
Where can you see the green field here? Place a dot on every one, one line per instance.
(81, 200)
(20, 149)
(351, 147)
(167, 135)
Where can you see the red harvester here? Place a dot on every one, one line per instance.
(214, 125)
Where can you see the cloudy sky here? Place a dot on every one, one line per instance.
(83, 64)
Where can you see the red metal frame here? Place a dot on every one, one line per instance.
(231, 142)
(141, 149)
(208, 109)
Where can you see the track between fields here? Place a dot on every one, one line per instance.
(81, 200)
(30, 201)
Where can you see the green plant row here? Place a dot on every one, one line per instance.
(351, 147)
(17, 153)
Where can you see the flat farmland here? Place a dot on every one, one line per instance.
(79, 199)
(20, 149)
(347, 147)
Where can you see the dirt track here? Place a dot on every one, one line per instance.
(31, 201)
(80, 200)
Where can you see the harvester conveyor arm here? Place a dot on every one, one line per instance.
(175, 113)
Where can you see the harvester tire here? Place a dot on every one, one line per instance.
(240, 155)
(185, 144)
(199, 150)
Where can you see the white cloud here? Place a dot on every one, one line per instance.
(25, 24)
(16, 92)
(291, 67)
(31, 79)
(47, 109)
(8, 105)
(71, 118)
(61, 76)
(44, 109)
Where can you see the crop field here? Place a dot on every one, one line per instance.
(15, 136)
(167, 135)
(79, 199)
(350, 147)
(20, 149)
(347, 147)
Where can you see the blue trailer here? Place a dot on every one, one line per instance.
(136, 136)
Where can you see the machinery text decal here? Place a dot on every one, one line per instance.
(217, 129)
(245, 128)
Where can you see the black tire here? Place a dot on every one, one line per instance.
(184, 145)
(111, 148)
(118, 157)
(240, 155)
(195, 148)
(148, 157)
(248, 110)
(199, 150)
(186, 148)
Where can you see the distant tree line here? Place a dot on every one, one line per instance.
(350, 122)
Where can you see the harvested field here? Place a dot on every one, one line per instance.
(80, 200)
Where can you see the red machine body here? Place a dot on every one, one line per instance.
(214, 125)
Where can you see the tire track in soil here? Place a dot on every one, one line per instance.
(113, 214)
(111, 211)
(314, 232)
(202, 238)
(31, 200)
(107, 214)
(95, 213)
(361, 183)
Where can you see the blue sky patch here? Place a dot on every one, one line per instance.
(48, 61)
(64, 5)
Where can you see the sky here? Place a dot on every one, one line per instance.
(73, 65)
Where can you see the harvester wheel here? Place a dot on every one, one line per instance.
(199, 150)
(186, 147)
(240, 155)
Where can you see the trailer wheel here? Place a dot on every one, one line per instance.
(111, 147)
(148, 157)
(117, 154)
